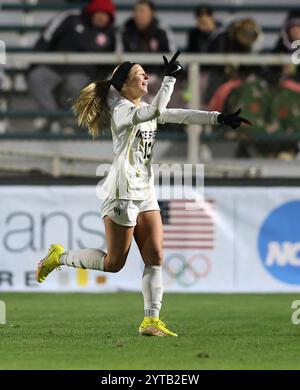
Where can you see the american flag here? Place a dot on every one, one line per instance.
(188, 225)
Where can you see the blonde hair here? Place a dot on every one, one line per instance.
(91, 109)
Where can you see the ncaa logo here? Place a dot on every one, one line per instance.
(279, 243)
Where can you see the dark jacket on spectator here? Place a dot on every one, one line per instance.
(284, 42)
(238, 37)
(221, 42)
(72, 31)
(198, 40)
(154, 39)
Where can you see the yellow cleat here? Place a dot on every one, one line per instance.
(154, 327)
(49, 263)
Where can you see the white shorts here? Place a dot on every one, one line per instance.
(125, 212)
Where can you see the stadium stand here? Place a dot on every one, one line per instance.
(22, 22)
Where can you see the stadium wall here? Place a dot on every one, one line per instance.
(242, 239)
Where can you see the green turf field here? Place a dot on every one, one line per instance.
(99, 331)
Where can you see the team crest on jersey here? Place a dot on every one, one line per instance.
(117, 210)
(154, 44)
(101, 39)
(79, 28)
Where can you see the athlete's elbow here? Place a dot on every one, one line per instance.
(154, 112)
(158, 111)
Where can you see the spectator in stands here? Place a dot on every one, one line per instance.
(143, 32)
(198, 38)
(290, 32)
(90, 30)
(206, 25)
(271, 103)
(239, 37)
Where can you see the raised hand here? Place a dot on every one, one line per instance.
(233, 120)
(173, 67)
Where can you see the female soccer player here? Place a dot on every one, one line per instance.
(130, 208)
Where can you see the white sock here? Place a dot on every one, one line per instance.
(152, 287)
(84, 258)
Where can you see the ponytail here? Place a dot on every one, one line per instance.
(91, 109)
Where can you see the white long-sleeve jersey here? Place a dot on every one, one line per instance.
(134, 132)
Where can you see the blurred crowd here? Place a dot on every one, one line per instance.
(269, 96)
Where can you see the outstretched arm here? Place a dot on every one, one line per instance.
(189, 117)
(198, 117)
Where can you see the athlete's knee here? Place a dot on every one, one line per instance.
(114, 268)
(114, 264)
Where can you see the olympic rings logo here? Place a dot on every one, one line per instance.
(185, 271)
